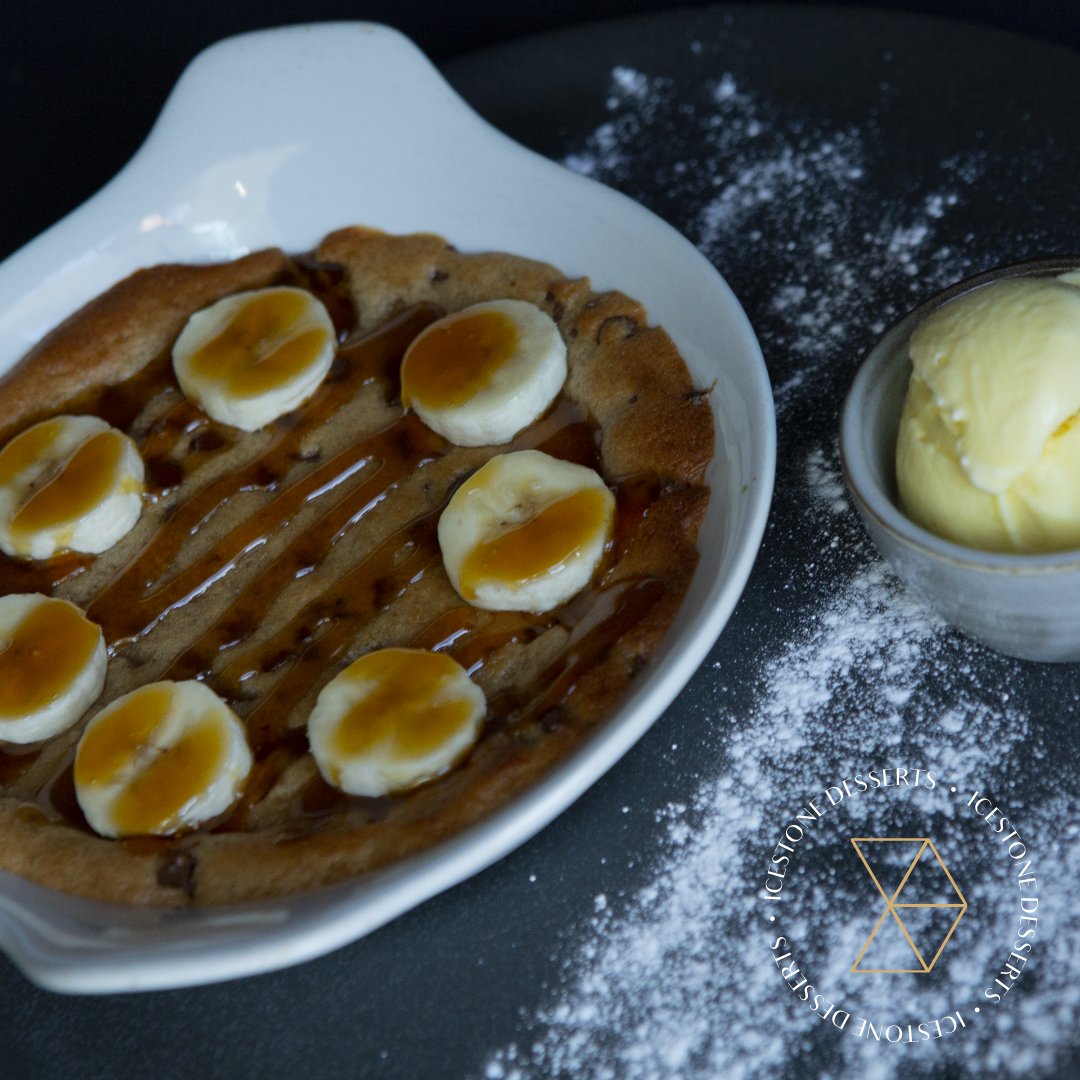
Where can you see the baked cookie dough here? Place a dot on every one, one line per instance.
(265, 562)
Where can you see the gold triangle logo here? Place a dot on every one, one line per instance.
(902, 862)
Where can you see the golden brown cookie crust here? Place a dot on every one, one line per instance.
(119, 332)
(655, 437)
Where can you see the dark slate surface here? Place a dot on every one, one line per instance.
(434, 992)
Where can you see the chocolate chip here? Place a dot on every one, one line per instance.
(553, 719)
(207, 441)
(163, 475)
(616, 328)
(277, 660)
(558, 308)
(178, 872)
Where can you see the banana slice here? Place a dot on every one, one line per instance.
(70, 483)
(164, 758)
(525, 532)
(480, 375)
(52, 666)
(255, 356)
(393, 719)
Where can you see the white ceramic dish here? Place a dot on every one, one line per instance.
(251, 151)
(1021, 605)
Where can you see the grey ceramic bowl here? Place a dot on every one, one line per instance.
(1027, 606)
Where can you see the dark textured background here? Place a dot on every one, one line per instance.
(80, 84)
(429, 994)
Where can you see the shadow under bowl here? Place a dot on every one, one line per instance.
(1025, 606)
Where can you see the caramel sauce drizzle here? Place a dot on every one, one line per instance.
(549, 538)
(43, 657)
(257, 349)
(15, 761)
(316, 639)
(146, 592)
(457, 359)
(84, 479)
(413, 708)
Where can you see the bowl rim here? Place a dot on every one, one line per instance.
(870, 497)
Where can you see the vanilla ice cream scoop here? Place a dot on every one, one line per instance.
(988, 453)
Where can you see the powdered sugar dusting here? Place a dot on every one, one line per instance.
(802, 190)
(654, 989)
(678, 978)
